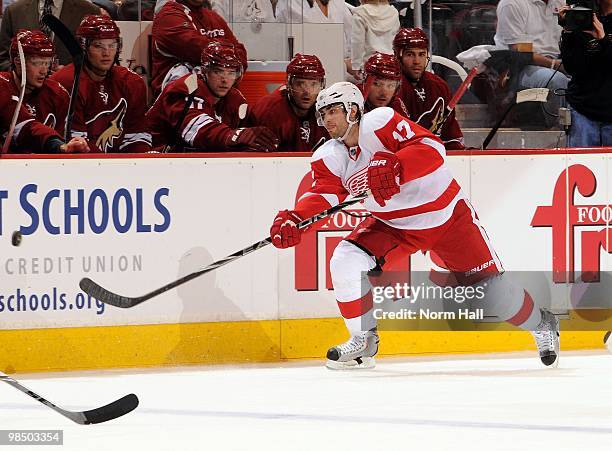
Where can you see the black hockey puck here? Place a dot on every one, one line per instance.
(16, 238)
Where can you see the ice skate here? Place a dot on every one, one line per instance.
(357, 352)
(547, 339)
(607, 341)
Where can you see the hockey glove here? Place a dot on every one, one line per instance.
(383, 176)
(284, 231)
(255, 139)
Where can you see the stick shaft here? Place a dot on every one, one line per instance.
(9, 136)
(437, 126)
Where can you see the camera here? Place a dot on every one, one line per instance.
(580, 15)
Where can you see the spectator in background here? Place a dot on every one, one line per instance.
(238, 10)
(26, 14)
(424, 93)
(289, 111)
(587, 57)
(318, 11)
(383, 77)
(534, 23)
(375, 24)
(209, 119)
(108, 8)
(181, 30)
(111, 101)
(45, 99)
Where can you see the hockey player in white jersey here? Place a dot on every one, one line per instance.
(415, 203)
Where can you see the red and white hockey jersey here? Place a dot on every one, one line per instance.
(426, 102)
(205, 127)
(296, 134)
(109, 114)
(428, 192)
(48, 104)
(180, 33)
(29, 135)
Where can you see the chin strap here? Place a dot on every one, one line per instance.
(348, 130)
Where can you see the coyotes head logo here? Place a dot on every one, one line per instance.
(107, 126)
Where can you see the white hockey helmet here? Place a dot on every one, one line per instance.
(342, 92)
(345, 93)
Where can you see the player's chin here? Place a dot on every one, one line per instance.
(222, 91)
(381, 102)
(306, 104)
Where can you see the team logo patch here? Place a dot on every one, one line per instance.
(305, 131)
(108, 126)
(358, 182)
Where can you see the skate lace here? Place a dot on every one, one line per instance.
(354, 344)
(544, 338)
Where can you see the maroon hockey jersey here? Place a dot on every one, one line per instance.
(295, 134)
(205, 127)
(29, 135)
(180, 33)
(426, 102)
(48, 104)
(109, 114)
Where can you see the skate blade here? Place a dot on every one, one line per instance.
(554, 364)
(366, 363)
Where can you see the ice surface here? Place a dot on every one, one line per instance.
(485, 402)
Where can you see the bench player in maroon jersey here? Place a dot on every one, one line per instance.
(212, 118)
(111, 101)
(424, 93)
(383, 76)
(181, 29)
(289, 111)
(44, 99)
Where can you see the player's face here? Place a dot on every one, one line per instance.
(101, 53)
(221, 79)
(414, 62)
(304, 92)
(334, 120)
(381, 91)
(37, 69)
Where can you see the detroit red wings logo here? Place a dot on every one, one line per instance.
(107, 126)
(358, 182)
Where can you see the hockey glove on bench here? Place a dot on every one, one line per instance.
(256, 139)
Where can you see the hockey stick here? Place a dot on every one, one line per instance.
(108, 297)
(526, 95)
(192, 84)
(437, 126)
(105, 413)
(9, 136)
(76, 52)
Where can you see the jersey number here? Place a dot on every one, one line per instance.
(403, 131)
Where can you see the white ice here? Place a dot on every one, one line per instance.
(486, 402)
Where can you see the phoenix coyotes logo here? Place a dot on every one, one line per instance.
(433, 117)
(421, 94)
(305, 131)
(107, 126)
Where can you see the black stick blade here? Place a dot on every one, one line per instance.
(64, 35)
(111, 411)
(102, 294)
